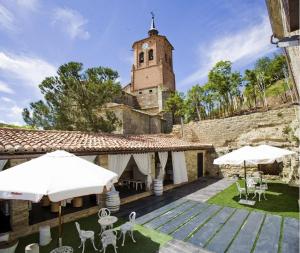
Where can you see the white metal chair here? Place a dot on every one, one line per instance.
(259, 192)
(85, 235)
(250, 185)
(103, 212)
(128, 227)
(109, 237)
(241, 190)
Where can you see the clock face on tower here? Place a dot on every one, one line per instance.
(145, 46)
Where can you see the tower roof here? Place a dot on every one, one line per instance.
(152, 30)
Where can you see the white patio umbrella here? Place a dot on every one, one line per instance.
(58, 175)
(253, 156)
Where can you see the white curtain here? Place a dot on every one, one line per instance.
(143, 161)
(179, 167)
(163, 158)
(89, 158)
(118, 163)
(2, 164)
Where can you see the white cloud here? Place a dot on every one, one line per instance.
(16, 110)
(11, 112)
(7, 100)
(5, 88)
(241, 48)
(72, 22)
(28, 4)
(29, 70)
(7, 19)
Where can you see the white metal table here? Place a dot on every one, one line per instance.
(107, 221)
(63, 249)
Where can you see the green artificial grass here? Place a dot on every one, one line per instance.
(281, 199)
(147, 240)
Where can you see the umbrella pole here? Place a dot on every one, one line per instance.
(59, 225)
(245, 175)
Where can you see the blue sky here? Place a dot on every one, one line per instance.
(38, 36)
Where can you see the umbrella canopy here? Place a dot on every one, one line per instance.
(247, 155)
(251, 156)
(59, 175)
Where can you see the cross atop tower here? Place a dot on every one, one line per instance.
(153, 30)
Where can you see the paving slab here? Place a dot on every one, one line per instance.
(206, 193)
(223, 238)
(184, 231)
(177, 246)
(149, 216)
(164, 218)
(269, 235)
(245, 239)
(290, 239)
(182, 218)
(203, 235)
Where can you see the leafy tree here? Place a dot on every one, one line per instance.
(195, 97)
(250, 91)
(175, 104)
(75, 99)
(225, 83)
(278, 67)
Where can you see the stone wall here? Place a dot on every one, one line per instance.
(137, 122)
(127, 99)
(191, 164)
(147, 98)
(278, 127)
(191, 158)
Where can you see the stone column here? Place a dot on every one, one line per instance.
(19, 214)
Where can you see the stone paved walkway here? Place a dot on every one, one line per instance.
(200, 227)
(210, 190)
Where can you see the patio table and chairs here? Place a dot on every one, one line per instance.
(105, 219)
(135, 184)
(26, 181)
(248, 156)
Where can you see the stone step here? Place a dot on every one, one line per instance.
(149, 216)
(183, 232)
(203, 235)
(177, 246)
(182, 218)
(164, 218)
(290, 239)
(269, 235)
(222, 239)
(245, 239)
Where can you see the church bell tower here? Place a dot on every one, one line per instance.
(152, 76)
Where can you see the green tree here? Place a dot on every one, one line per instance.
(225, 84)
(250, 91)
(175, 104)
(194, 101)
(75, 99)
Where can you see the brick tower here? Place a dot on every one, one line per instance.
(152, 76)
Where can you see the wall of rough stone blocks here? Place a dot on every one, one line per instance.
(221, 132)
(227, 134)
(136, 122)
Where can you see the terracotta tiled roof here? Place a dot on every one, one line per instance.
(21, 141)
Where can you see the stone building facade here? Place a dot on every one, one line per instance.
(18, 146)
(152, 81)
